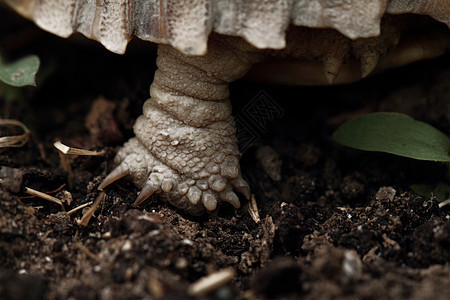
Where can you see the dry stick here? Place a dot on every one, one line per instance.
(211, 282)
(44, 196)
(444, 203)
(65, 150)
(65, 163)
(252, 209)
(51, 192)
(79, 207)
(88, 215)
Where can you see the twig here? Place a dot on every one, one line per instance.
(444, 203)
(88, 215)
(51, 192)
(252, 209)
(64, 149)
(211, 282)
(79, 207)
(65, 163)
(44, 196)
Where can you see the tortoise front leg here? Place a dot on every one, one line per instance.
(185, 146)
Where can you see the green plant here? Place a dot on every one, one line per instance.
(21, 72)
(13, 77)
(401, 135)
(394, 133)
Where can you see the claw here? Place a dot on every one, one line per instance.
(209, 201)
(241, 186)
(368, 63)
(230, 197)
(146, 192)
(332, 66)
(194, 194)
(115, 174)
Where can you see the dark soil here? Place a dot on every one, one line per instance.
(339, 224)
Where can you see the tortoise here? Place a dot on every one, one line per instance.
(185, 146)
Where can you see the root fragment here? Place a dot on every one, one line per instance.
(88, 215)
(16, 140)
(44, 196)
(79, 207)
(85, 250)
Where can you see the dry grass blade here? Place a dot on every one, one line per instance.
(88, 215)
(75, 151)
(252, 209)
(79, 207)
(65, 163)
(44, 196)
(211, 282)
(16, 140)
(65, 150)
(51, 192)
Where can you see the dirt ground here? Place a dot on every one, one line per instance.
(339, 224)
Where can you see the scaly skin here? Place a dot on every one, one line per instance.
(185, 146)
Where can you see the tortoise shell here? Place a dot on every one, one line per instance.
(186, 25)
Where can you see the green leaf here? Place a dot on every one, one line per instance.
(394, 133)
(21, 72)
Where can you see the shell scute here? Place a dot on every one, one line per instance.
(186, 24)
